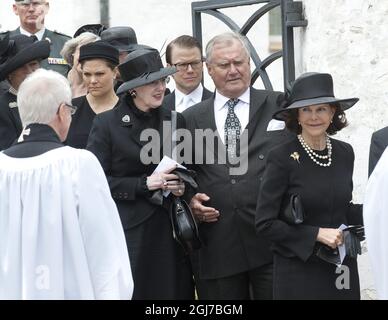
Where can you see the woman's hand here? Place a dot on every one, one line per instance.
(160, 180)
(177, 187)
(331, 237)
(166, 182)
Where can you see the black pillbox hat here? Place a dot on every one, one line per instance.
(99, 50)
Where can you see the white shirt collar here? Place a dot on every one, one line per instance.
(39, 34)
(222, 100)
(195, 95)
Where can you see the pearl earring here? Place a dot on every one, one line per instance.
(133, 94)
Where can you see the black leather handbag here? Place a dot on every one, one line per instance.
(184, 226)
(185, 229)
(293, 213)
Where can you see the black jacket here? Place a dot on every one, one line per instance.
(10, 123)
(231, 245)
(115, 140)
(378, 144)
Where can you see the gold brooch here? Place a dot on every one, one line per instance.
(295, 156)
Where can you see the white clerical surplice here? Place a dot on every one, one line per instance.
(375, 213)
(60, 232)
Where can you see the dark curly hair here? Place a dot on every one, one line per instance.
(339, 120)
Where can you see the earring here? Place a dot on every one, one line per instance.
(133, 94)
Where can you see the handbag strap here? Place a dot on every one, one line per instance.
(174, 121)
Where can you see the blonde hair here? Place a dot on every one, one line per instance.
(72, 45)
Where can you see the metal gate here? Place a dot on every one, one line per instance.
(291, 16)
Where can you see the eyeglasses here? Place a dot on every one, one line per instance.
(72, 108)
(195, 65)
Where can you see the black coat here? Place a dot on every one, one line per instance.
(10, 123)
(378, 144)
(160, 269)
(231, 245)
(169, 100)
(326, 194)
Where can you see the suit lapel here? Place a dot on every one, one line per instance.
(127, 119)
(206, 94)
(14, 113)
(15, 117)
(257, 100)
(207, 120)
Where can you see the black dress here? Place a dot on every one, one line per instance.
(81, 123)
(326, 194)
(10, 123)
(160, 268)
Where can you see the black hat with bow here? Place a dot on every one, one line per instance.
(19, 50)
(142, 67)
(310, 89)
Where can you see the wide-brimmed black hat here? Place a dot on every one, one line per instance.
(16, 51)
(142, 67)
(310, 89)
(122, 38)
(95, 28)
(99, 50)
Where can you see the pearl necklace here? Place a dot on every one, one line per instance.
(313, 155)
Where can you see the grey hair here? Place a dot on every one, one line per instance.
(40, 95)
(226, 38)
(71, 45)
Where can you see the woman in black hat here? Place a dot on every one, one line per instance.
(70, 52)
(310, 178)
(120, 140)
(99, 62)
(19, 56)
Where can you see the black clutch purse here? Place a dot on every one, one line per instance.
(185, 230)
(293, 213)
(328, 254)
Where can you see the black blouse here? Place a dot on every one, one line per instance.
(81, 123)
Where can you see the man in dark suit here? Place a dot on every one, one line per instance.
(234, 262)
(378, 144)
(185, 53)
(31, 14)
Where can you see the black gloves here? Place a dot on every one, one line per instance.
(353, 235)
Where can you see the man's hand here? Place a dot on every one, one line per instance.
(201, 212)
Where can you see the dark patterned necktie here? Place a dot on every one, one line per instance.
(232, 131)
(34, 37)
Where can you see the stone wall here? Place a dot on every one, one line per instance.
(347, 38)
